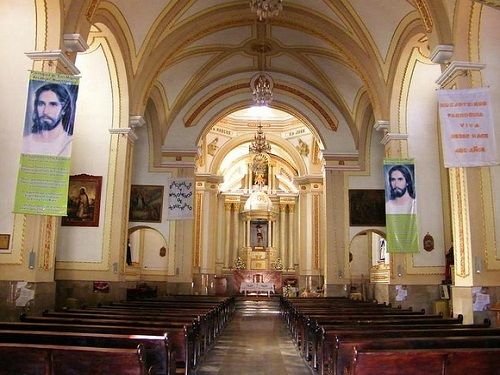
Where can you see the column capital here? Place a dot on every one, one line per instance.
(136, 121)
(74, 43)
(381, 125)
(456, 68)
(56, 56)
(128, 132)
(388, 137)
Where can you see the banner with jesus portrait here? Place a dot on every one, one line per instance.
(43, 178)
(400, 206)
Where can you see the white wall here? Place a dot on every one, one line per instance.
(17, 32)
(490, 55)
(90, 152)
(424, 147)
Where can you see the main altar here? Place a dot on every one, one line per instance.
(266, 279)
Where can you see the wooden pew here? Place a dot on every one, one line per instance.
(346, 348)
(39, 359)
(182, 337)
(484, 361)
(158, 356)
(326, 352)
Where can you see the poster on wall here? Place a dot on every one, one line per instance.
(42, 183)
(467, 128)
(400, 206)
(180, 198)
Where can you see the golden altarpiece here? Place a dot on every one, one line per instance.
(266, 198)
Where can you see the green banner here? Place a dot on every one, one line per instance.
(42, 185)
(401, 233)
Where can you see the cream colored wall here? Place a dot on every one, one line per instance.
(490, 55)
(360, 248)
(90, 153)
(16, 32)
(424, 147)
(143, 175)
(372, 178)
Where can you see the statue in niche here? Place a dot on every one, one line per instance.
(259, 170)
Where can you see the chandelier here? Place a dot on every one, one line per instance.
(266, 8)
(260, 145)
(262, 89)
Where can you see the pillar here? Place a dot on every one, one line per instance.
(227, 234)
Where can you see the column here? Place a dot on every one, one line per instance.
(236, 239)
(335, 253)
(207, 190)
(283, 248)
(291, 237)
(470, 211)
(310, 223)
(227, 234)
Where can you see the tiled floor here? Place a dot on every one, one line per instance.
(255, 342)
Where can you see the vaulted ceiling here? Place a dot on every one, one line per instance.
(333, 61)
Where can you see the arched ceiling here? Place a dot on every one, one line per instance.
(326, 57)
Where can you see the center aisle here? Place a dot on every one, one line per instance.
(254, 342)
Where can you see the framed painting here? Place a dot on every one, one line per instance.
(84, 198)
(367, 208)
(146, 203)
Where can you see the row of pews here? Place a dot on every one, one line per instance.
(339, 336)
(162, 337)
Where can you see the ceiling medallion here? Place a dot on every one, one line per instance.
(262, 89)
(266, 8)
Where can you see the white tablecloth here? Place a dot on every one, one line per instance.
(256, 287)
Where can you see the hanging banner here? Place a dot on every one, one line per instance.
(400, 206)
(180, 198)
(42, 183)
(468, 135)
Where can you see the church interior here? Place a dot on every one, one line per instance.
(277, 125)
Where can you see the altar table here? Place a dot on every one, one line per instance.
(257, 288)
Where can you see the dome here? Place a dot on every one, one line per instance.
(258, 201)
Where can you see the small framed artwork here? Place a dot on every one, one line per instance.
(4, 242)
(84, 199)
(367, 208)
(146, 203)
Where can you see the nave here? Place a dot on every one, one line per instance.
(255, 341)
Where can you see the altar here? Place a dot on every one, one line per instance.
(257, 288)
(258, 281)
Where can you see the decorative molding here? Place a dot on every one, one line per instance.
(393, 137)
(458, 66)
(381, 125)
(425, 14)
(56, 56)
(442, 53)
(74, 43)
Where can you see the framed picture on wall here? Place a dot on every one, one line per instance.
(367, 208)
(146, 203)
(84, 198)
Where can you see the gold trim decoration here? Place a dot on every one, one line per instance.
(197, 242)
(424, 13)
(91, 10)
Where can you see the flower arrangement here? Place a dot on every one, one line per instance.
(278, 264)
(239, 264)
